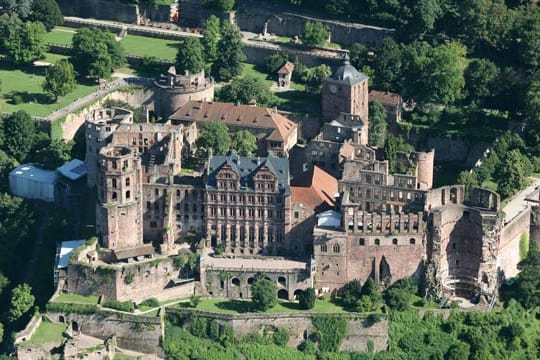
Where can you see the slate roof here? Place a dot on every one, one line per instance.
(347, 74)
(237, 115)
(247, 168)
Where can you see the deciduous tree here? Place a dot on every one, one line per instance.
(512, 172)
(190, 56)
(377, 124)
(315, 34)
(307, 299)
(48, 12)
(25, 43)
(244, 89)
(229, 62)
(481, 79)
(528, 282)
(211, 36)
(56, 154)
(244, 143)
(22, 8)
(215, 136)
(21, 302)
(19, 135)
(59, 79)
(263, 293)
(275, 61)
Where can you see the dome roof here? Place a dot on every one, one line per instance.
(348, 74)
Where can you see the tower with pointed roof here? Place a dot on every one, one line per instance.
(345, 91)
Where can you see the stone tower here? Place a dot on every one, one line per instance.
(345, 91)
(424, 175)
(119, 206)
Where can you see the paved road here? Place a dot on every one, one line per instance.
(518, 203)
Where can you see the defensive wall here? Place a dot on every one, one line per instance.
(361, 330)
(133, 332)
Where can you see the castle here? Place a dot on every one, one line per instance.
(344, 217)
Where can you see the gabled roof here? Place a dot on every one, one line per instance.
(247, 168)
(237, 115)
(319, 189)
(287, 68)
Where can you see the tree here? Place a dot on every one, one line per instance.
(528, 282)
(211, 36)
(190, 56)
(194, 300)
(532, 98)
(392, 146)
(4, 282)
(26, 43)
(529, 34)
(21, 302)
(281, 336)
(263, 293)
(315, 34)
(481, 79)
(56, 154)
(424, 14)
(352, 292)
(307, 299)
(229, 63)
(469, 179)
(95, 53)
(244, 143)
(48, 12)
(59, 79)
(224, 5)
(245, 89)
(387, 64)
(215, 136)
(512, 172)
(273, 62)
(398, 296)
(377, 124)
(11, 26)
(314, 76)
(7, 164)
(19, 135)
(359, 54)
(21, 8)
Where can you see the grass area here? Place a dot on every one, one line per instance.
(47, 332)
(52, 58)
(147, 46)
(74, 298)
(256, 72)
(118, 356)
(490, 184)
(26, 82)
(228, 306)
(59, 36)
(283, 39)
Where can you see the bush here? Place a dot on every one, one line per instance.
(199, 326)
(213, 330)
(364, 304)
(307, 299)
(17, 99)
(126, 306)
(152, 302)
(330, 332)
(281, 336)
(194, 300)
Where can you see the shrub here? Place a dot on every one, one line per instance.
(307, 299)
(281, 336)
(213, 330)
(330, 332)
(17, 99)
(152, 302)
(199, 326)
(194, 300)
(126, 306)
(364, 304)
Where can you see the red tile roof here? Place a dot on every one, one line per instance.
(287, 68)
(385, 98)
(320, 191)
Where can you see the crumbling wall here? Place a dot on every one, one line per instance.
(508, 251)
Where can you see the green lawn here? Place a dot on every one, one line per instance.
(52, 58)
(60, 36)
(254, 71)
(26, 82)
(74, 298)
(148, 46)
(228, 306)
(119, 356)
(47, 332)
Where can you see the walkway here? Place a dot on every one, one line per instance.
(517, 204)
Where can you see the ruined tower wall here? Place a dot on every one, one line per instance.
(508, 255)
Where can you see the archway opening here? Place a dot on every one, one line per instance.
(297, 294)
(282, 280)
(250, 281)
(75, 326)
(61, 319)
(236, 281)
(283, 294)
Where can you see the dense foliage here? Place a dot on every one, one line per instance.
(190, 57)
(245, 89)
(228, 65)
(215, 136)
(263, 293)
(59, 79)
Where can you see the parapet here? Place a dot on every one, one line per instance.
(485, 199)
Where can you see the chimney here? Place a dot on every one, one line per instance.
(252, 102)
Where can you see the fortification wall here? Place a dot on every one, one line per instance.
(138, 333)
(99, 9)
(361, 330)
(508, 256)
(74, 121)
(133, 281)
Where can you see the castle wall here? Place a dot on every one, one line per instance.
(168, 100)
(138, 333)
(508, 254)
(361, 330)
(131, 281)
(99, 9)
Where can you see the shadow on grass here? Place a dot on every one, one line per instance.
(28, 97)
(339, 302)
(238, 306)
(296, 100)
(292, 306)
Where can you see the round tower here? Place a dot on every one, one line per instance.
(100, 125)
(424, 169)
(119, 205)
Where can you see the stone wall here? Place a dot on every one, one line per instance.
(131, 281)
(138, 333)
(509, 244)
(100, 9)
(299, 325)
(74, 121)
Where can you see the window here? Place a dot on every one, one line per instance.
(177, 192)
(148, 205)
(114, 165)
(114, 196)
(454, 246)
(377, 242)
(127, 182)
(413, 241)
(394, 241)
(113, 181)
(362, 242)
(156, 192)
(128, 194)
(296, 214)
(324, 248)
(336, 248)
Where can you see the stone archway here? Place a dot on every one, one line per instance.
(283, 294)
(297, 294)
(75, 327)
(61, 319)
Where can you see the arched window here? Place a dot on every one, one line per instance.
(127, 181)
(377, 242)
(336, 248)
(324, 248)
(113, 183)
(413, 241)
(114, 196)
(128, 194)
(394, 241)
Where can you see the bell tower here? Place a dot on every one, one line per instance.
(345, 91)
